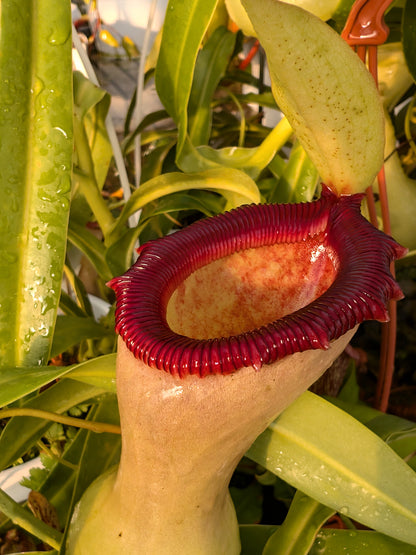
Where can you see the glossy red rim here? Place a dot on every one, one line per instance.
(360, 291)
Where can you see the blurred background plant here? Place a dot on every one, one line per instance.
(212, 139)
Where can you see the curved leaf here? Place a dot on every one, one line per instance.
(345, 466)
(326, 92)
(17, 382)
(250, 160)
(225, 181)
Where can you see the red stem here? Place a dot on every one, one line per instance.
(253, 51)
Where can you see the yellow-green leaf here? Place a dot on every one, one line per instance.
(326, 92)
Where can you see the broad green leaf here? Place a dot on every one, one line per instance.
(21, 432)
(184, 27)
(328, 542)
(224, 181)
(359, 542)
(210, 67)
(35, 173)
(99, 372)
(409, 35)
(360, 476)
(302, 523)
(71, 330)
(325, 91)
(16, 382)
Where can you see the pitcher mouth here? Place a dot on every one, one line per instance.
(355, 285)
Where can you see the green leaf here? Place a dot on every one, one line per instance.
(21, 433)
(325, 91)
(254, 538)
(299, 178)
(225, 181)
(397, 432)
(17, 382)
(119, 254)
(92, 247)
(328, 542)
(99, 451)
(250, 160)
(23, 518)
(184, 27)
(359, 542)
(334, 459)
(71, 330)
(300, 527)
(35, 173)
(210, 67)
(99, 372)
(91, 104)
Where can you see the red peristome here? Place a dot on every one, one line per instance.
(360, 291)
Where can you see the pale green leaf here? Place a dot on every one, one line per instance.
(326, 92)
(334, 459)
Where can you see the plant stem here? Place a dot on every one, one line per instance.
(98, 427)
(28, 522)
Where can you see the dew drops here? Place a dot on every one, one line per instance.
(58, 36)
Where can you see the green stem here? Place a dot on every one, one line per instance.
(98, 427)
(21, 517)
(86, 179)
